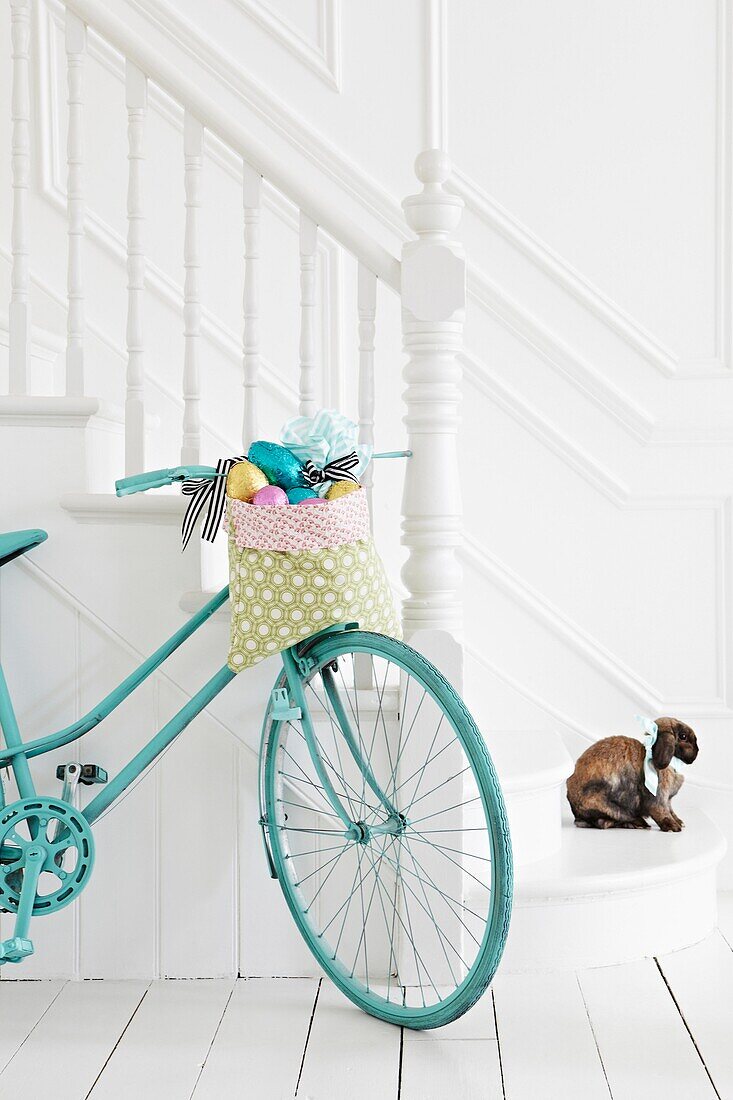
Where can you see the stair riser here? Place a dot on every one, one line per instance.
(564, 934)
(535, 823)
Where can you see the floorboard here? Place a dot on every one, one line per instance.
(166, 1045)
(707, 1006)
(259, 1046)
(349, 1054)
(448, 1069)
(645, 1047)
(477, 1023)
(67, 1049)
(547, 1045)
(22, 1004)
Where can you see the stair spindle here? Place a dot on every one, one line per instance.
(252, 191)
(75, 56)
(308, 237)
(193, 149)
(136, 101)
(19, 312)
(367, 306)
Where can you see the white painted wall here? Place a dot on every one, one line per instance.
(592, 146)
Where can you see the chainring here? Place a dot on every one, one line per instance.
(67, 839)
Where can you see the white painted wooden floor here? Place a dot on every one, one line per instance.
(653, 1030)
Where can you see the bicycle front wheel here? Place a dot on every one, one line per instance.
(407, 908)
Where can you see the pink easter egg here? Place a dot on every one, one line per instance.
(270, 495)
(309, 500)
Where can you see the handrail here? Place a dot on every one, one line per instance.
(376, 258)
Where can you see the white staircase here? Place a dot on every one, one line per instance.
(592, 898)
(581, 898)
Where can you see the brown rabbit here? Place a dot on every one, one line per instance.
(607, 789)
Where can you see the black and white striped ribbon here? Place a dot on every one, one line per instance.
(209, 493)
(338, 470)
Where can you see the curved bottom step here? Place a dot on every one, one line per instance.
(613, 896)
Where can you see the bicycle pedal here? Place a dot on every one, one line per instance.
(280, 706)
(15, 950)
(90, 774)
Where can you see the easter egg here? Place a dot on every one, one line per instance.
(298, 496)
(280, 465)
(270, 495)
(310, 500)
(341, 489)
(244, 479)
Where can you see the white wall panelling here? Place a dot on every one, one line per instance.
(21, 167)
(193, 143)
(308, 239)
(136, 100)
(75, 52)
(367, 307)
(322, 56)
(252, 195)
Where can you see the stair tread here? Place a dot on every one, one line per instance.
(109, 508)
(527, 760)
(595, 861)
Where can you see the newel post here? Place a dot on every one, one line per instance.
(433, 310)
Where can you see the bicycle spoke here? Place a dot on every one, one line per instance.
(310, 903)
(443, 783)
(322, 866)
(456, 864)
(457, 806)
(446, 897)
(441, 937)
(366, 918)
(422, 770)
(301, 806)
(452, 903)
(412, 726)
(416, 835)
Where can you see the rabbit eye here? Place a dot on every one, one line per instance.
(683, 737)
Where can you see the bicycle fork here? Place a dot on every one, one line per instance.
(296, 707)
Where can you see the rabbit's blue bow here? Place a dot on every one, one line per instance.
(651, 776)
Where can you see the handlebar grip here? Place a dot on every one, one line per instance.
(155, 479)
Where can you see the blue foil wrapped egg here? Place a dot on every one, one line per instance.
(279, 465)
(297, 496)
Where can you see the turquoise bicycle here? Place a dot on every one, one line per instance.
(381, 814)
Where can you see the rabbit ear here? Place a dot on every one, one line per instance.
(663, 749)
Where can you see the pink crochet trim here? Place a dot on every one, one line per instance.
(289, 527)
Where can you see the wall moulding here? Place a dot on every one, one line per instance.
(576, 285)
(322, 57)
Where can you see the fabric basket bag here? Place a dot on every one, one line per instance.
(294, 570)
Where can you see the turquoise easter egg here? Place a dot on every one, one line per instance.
(297, 496)
(279, 465)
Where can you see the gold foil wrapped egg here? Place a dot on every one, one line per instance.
(244, 480)
(341, 489)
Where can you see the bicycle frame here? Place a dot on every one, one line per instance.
(16, 753)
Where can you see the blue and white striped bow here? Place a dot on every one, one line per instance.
(341, 469)
(209, 493)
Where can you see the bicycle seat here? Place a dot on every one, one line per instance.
(15, 543)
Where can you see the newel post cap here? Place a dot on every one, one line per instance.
(433, 212)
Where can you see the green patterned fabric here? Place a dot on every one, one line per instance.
(281, 597)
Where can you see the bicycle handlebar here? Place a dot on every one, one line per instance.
(155, 479)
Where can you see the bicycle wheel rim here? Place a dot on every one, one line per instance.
(483, 965)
